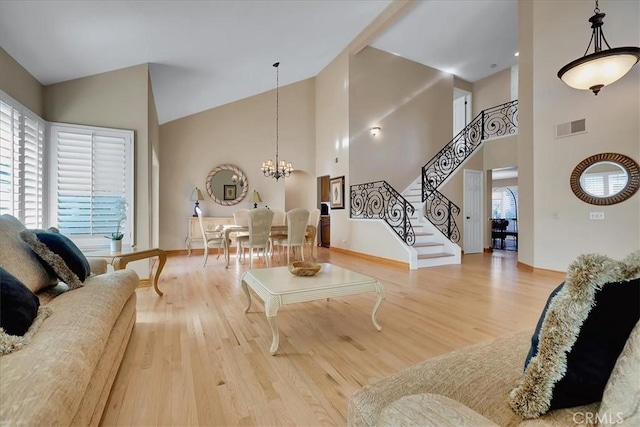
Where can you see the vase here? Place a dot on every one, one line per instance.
(116, 245)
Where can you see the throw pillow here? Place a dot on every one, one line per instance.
(10, 343)
(60, 253)
(18, 305)
(584, 330)
(18, 259)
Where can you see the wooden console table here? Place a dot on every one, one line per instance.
(210, 223)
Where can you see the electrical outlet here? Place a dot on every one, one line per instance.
(596, 216)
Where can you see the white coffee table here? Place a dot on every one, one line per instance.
(278, 287)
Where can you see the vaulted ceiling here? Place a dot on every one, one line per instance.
(204, 54)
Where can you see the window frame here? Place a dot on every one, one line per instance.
(40, 161)
(92, 240)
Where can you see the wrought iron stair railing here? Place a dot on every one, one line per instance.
(493, 122)
(378, 199)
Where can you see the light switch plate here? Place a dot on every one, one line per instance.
(596, 216)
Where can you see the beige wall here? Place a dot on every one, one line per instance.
(154, 166)
(491, 91)
(117, 99)
(613, 125)
(412, 104)
(332, 138)
(20, 84)
(241, 133)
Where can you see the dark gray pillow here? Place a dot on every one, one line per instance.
(18, 305)
(60, 253)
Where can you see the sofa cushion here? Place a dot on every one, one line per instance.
(621, 398)
(17, 257)
(584, 330)
(18, 305)
(60, 253)
(430, 410)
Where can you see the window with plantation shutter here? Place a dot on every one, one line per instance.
(21, 162)
(91, 183)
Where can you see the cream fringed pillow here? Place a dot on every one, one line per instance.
(11, 343)
(581, 334)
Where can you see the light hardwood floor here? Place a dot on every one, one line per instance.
(195, 357)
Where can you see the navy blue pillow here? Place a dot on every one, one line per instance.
(18, 305)
(60, 253)
(600, 341)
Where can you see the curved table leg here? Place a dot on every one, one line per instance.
(276, 335)
(376, 307)
(187, 242)
(271, 306)
(246, 292)
(162, 259)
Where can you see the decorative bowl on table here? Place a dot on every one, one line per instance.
(304, 268)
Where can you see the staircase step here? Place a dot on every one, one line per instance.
(427, 244)
(438, 255)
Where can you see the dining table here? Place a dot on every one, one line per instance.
(276, 230)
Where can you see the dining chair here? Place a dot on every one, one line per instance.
(297, 221)
(310, 237)
(260, 220)
(210, 239)
(241, 217)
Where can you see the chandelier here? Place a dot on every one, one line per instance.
(279, 168)
(602, 67)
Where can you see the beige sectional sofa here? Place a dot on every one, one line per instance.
(64, 373)
(470, 387)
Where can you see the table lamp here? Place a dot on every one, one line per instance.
(196, 196)
(255, 198)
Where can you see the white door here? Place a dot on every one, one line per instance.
(461, 110)
(472, 211)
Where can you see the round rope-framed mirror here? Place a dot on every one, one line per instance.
(227, 185)
(605, 179)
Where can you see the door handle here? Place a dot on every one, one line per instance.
(468, 217)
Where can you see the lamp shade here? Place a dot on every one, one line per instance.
(196, 195)
(255, 197)
(599, 69)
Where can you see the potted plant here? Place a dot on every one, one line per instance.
(116, 236)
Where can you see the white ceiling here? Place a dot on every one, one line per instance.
(204, 54)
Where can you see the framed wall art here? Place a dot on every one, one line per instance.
(337, 192)
(230, 192)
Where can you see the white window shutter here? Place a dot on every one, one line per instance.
(92, 172)
(21, 162)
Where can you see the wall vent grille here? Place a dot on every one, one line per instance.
(571, 128)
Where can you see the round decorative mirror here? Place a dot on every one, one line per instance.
(605, 179)
(227, 185)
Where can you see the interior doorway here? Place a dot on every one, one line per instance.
(461, 109)
(324, 191)
(504, 209)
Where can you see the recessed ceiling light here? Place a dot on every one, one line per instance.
(493, 65)
(516, 54)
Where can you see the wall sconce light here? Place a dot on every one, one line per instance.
(602, 67)
(196, 196)
(375, 130)
(255, 198)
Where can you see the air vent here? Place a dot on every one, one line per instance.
(571, 128)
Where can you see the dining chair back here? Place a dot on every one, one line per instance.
(210, 239)
(297, 221)
(241, 217)
(260, 220)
